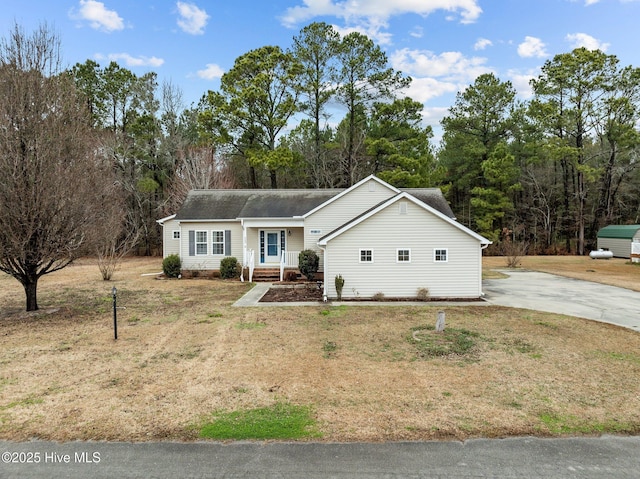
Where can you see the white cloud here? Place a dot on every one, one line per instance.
(590, 2)
(131, 61)
(521, 81)
(191, 18)
(532, 47)
(211, 72)
(426, 88)
(578, 40)
(482, 43)
(356, 10)
(451, 66)
(98, 16)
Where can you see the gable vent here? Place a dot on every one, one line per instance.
(403, 207)
(372, 185)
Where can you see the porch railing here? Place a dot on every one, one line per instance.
(250, 262)
(288, 259)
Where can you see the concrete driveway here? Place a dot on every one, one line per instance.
(557, 294)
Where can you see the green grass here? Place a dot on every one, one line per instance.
(279, 421)
(570, 424)
(451, 341)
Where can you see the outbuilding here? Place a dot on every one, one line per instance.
(618, 239)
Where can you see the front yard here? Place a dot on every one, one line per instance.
(364, 373)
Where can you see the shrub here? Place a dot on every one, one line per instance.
(308, 262)
(229, 267)
(339, 285)
(423, 294)
(291, 276)
(171, 266)
(379, 296)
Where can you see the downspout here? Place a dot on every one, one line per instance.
(482, 248)
(324, 272)
(244, 250)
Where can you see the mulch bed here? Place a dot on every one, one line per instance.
(291, 294)
(310, 292)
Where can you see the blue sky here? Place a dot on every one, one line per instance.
(442, 44)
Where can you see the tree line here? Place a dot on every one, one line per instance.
(323, 113)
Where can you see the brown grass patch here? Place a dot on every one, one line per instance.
(184, 352)
(615, 272)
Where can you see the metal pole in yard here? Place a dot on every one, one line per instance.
(114, 291)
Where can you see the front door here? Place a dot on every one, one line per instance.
(271, 246)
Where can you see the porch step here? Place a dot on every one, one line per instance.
(271, 275)
(266, 275)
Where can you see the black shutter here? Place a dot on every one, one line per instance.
(227, 242)
(192, 243)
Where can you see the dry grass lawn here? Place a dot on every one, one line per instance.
(183, 352)
(616, 271)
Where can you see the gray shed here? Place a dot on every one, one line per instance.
(618, 239)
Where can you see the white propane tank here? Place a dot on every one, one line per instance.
(601, 254)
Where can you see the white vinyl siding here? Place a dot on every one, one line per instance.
(209, 261)
(421, 232)
(170, 245)
(344, 209)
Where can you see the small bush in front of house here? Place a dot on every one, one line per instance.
(379, 296)
(171, 266)
(308, 262)
(291, 276)
(339, 283)
(423, 294)
(229, 267)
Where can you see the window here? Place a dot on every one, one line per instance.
(366, 256)
(403, 256)
(176, 235)
(217, 242)
(201, 243)
(441, 255)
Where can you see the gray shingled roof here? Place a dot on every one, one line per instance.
(232, 204)
(432, 197)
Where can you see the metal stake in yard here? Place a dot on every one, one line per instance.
(440, 322)
(114, 291)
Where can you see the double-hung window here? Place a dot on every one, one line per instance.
(201, 243)
(441, 255)
(217, 242)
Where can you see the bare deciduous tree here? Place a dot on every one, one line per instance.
(52, 180)
(198, 168)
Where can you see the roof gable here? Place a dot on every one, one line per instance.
(349, 190)
(383, 205)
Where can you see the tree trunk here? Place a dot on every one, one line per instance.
(30, 290)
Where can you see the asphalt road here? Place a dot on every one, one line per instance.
(523, 458)
(557, 294)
